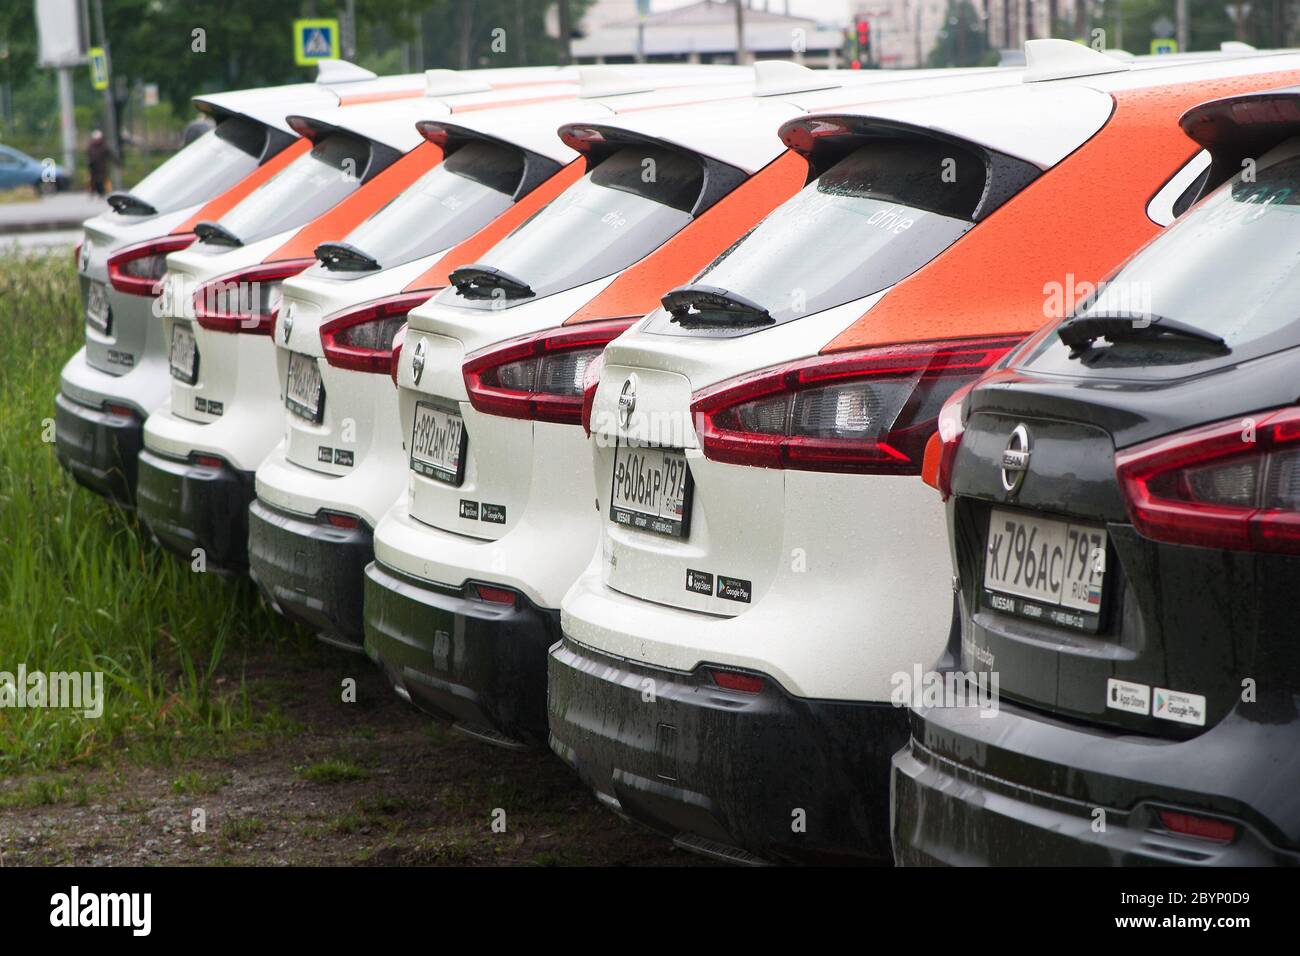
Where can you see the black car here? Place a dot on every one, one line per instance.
(1123, 497)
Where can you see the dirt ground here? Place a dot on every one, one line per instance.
(372, 783)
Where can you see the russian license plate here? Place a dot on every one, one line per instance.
(1046, 569)
(302, 387)
(438, 444)
(651, 490)
(97, 309)
(184, 355)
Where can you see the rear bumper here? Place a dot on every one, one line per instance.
(1020, 790)
(720, 770)
(309, 571)
(470, 661)
(188, 506)
(98, 447)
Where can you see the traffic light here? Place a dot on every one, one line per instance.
(861, 42)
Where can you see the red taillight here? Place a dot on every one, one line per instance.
(1233, 485)
(76, 254)
(869, 412)
(337, 520)
(363, 339)
(208, 461)
(941, 448)
(540, 376)
(137, 269)
(247, 300)
(398, 338)
(1207, 828)
(733, 680)
(590, 382)
(494, 595)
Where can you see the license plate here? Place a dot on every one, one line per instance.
(651, 490)
(184, 355)
(1046, 569)
(97, 310)
(438, 444)
(302, 388)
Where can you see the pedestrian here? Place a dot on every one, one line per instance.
(98, 156)
(197, 127)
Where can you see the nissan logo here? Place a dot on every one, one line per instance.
(417, 361)
(1015, 459)
(627, 401)
(288, 320)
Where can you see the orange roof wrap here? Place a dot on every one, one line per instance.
(1079, 219)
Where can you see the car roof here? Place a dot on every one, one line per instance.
(1042, 121)
(742, 134)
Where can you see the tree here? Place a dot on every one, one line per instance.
(962, 41)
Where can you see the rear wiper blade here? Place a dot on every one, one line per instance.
(481, 282)
(216, 233)
(702, 305)
(345, 257)
(129, 205)
(1079, 333)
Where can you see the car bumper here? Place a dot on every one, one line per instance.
(98, 447)
(741, 776)
(310, 571)
(479, 664)
(187, 506)
(1016, 789)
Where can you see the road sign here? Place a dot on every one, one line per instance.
(1163, 45)
(315, 40)
(98, 68)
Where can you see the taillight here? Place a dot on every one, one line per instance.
(734, 680)
(869, 412)
(590, 382)
(1233, 485)
(941, 448)
(76, 254)
(1191, 824)
(337, 519)
(137, 269)
(539, 376)
(362, 339)
(493, 595)
(246, 300)
(398, 338)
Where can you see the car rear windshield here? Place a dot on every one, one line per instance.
(618, 213)
(1229, 267)
(873, 218)
(300, 192)
(449, 203)
(206, 167)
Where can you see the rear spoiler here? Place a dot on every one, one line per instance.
(1242, 127)
(825, 139)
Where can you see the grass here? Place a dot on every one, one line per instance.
(81, 588)
(332, 771)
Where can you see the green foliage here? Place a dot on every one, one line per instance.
(81, 589)
(962, 41)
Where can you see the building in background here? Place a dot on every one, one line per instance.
(705, 32)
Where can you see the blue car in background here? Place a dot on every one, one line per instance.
(19, 169)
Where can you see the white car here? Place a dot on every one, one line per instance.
(462, 600)
(322, 490)
(119, 376)
(219, 300)
(772, 581)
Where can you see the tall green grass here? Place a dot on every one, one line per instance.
(81, 587)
